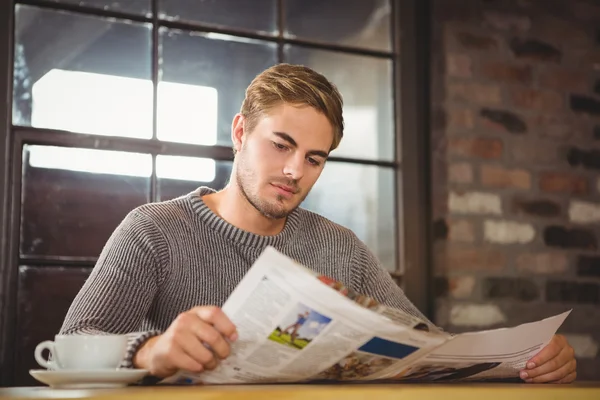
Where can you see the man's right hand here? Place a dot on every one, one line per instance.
(184, 343)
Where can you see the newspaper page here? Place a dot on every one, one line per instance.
(487, 355)
(293, 327)
(392, 314)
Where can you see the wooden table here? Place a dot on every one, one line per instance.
(578, 391)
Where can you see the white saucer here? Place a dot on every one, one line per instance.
(88, 379)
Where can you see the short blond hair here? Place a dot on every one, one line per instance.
(296, 85)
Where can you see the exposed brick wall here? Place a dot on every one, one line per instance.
(516, 166)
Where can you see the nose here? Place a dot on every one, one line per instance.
(294, 167)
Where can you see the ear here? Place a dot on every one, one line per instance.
(237, 131)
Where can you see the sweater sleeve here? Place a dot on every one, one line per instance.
(121, 288)
(376, 282)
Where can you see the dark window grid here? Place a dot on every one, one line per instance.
(202, 27)
(216, 152)
(89, 262)
(155, 147)
(35, 136)
(51, 137)
(412, 116)
(155, 77)
(8, 276)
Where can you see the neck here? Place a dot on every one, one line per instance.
(231, 205)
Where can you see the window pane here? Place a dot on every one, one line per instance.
(72, 199)
(366, 86)
(44, 296)
(143, 7)
(82, 74)
(255, 15)
(204, 78)
(178, 176)
(361, 198)
(356, 23)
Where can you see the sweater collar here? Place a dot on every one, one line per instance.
(233, 233)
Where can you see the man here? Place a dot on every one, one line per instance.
(169, 266)
(295, 326)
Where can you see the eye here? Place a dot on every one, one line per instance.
(314, 162)
(279, 146)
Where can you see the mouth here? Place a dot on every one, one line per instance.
(285, 190)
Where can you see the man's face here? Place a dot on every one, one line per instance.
(280, 160)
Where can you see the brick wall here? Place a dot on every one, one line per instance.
(516, 166)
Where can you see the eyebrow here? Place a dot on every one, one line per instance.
(293, 143)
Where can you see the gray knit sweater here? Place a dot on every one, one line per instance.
(168, 257)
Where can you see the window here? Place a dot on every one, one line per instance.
(73, 198)
(117, 103)
(77, 71)
(179, 81)
(102, 104)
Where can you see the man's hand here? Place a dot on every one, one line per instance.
(184, 343)
(554, 364)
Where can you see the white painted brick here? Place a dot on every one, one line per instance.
(475, 203)
(460, 173)
(476, 315)
(584, 212)
(461, 231)
(508, 232)
(462, 287)
(584, 345)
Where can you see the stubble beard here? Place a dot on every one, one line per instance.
(271, 211)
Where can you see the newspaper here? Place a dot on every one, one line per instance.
(296, 326)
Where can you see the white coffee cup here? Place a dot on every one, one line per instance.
(82, 352)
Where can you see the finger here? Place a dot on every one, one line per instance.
(208, 334)
(181, 360)
(551, 365)
(216, 317)
(194, 348)
(550, 351)
(555, 375)
(569, 378)
(205, 333)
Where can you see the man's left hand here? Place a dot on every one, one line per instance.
(554, 364)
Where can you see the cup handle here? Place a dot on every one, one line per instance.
(47, 345)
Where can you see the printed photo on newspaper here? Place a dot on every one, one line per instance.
(297, 326)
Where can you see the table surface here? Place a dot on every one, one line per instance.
(574, 391)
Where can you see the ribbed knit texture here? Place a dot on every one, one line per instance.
(166, 258)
